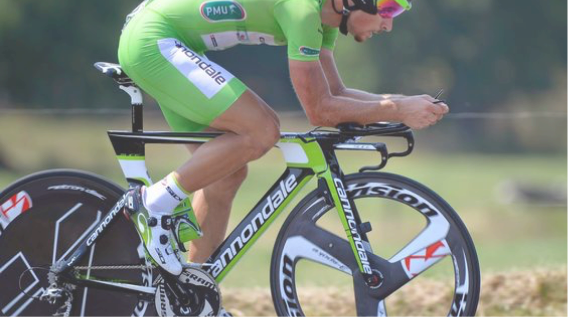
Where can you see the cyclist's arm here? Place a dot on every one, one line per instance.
(336, 84)
(325, 109)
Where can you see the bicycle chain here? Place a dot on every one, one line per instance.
(132, 266)
(115, 267)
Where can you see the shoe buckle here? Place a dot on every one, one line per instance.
(166, 222)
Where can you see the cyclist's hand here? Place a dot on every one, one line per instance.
(419, 112)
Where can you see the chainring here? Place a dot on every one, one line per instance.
(203, 295)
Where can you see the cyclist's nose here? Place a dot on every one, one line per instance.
(386, 25)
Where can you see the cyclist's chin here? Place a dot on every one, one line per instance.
(362, 37)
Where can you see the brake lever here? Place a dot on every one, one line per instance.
(438, 96)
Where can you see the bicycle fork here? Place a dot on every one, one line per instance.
(355, 229)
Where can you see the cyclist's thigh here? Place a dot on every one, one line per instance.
(249, 114)
(191, 90)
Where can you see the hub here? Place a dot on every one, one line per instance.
(374, 280)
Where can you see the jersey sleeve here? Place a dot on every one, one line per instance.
(329, 36)
(301, 23)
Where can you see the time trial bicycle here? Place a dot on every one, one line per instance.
(66, 249)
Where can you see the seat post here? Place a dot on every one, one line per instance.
(137, 106)
(126, 84)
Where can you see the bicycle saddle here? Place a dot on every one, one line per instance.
(115, 72)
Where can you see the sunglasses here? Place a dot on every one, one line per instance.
(389, 9)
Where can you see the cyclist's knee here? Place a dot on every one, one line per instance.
(272, 134)
(263, 139)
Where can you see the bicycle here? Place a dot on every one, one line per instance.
(88, 254)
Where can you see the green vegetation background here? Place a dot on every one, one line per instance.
(499, 56)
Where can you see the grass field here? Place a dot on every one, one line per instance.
(511, 235)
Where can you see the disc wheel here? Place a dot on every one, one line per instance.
(43, 217)
(423, 259)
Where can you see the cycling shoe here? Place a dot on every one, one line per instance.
(155, 231)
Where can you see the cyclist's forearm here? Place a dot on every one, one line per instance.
(333, 110)
(366, 96)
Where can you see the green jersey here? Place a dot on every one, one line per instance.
(163, 43)
(220, 24)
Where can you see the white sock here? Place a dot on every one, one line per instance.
(163, 197)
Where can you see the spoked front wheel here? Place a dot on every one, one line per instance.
(421, 251)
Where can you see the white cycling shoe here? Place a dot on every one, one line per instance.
(155, 232)
(161, 244)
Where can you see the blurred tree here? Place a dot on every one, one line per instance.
(47, 49)
(483, 52)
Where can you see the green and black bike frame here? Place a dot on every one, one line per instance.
(306, 155)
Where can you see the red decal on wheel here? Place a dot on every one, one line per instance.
(416, 263)
(15, 206)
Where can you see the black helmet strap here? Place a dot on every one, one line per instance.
(344, 15)
(365, 5)
(343, 24)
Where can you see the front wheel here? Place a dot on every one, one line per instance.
(419, 248)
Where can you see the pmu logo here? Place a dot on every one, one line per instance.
(224, 10)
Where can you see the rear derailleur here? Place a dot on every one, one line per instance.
(58, 294)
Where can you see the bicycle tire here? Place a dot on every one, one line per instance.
(43, 217)
(303, 238)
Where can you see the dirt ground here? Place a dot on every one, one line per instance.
(524, 293)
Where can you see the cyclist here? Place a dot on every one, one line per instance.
(162, 49)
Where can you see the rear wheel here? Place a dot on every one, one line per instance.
(43, 217)
(423, 255)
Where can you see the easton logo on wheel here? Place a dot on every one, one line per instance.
(397, 193)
